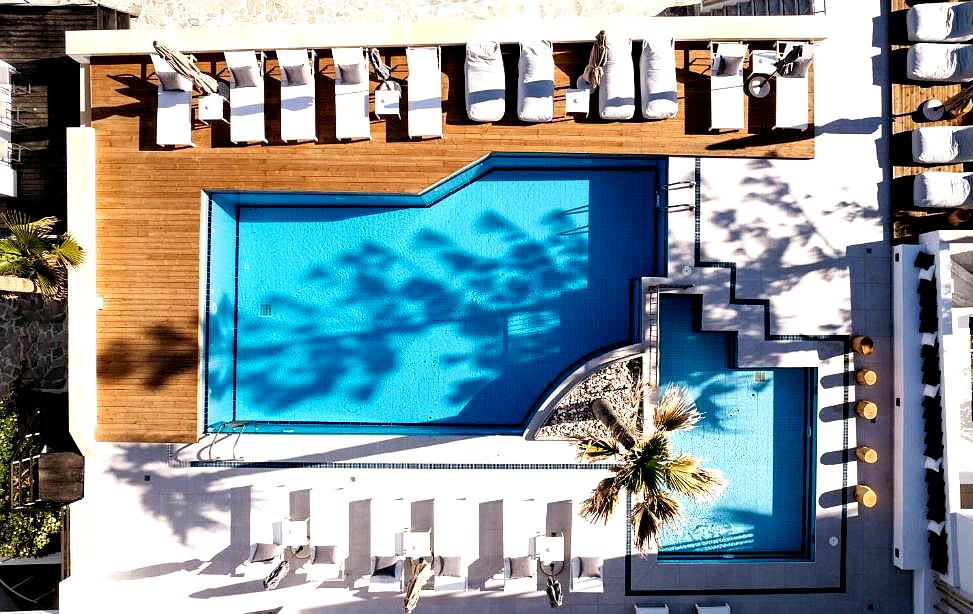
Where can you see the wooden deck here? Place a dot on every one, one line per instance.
(148, 199)
(907, 96)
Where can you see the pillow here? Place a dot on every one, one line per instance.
(385, 566)
(729, 65)
(325, 554)
(519, 567)
(243, 76)
(350, 74)
(590, 567)
(449, 566)
(171, 81)
(263, 553)
(298, 75)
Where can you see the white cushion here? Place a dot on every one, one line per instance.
(658, 78)
(940, 62)
(944, 22)
(942, 144)
(425, 92)
(174, 119)
(484, 82)
(535, 86)
(943, 189)
(616, 93)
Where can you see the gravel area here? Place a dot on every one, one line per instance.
(620, 382)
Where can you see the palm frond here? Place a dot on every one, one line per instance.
(69, 252)
(602, 502)
(649, 516)
(683, 475)
(593, 448)
(639, 472)
(676, 410)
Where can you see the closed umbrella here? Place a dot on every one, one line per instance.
(595, 69)
(279, 572)
(554, 594)
(181, 63)
(421, 572)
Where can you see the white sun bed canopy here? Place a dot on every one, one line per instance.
(83, 45)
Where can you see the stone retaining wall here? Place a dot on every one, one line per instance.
(33, 341)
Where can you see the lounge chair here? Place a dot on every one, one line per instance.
(942, 144)
(484, 82)
(522, 522)
(792, 87)
(329, 536)
(389, 518)
(651, 609)
(456, 545)
(351, 117)
(535, 82)
(726, 85)
(657, 77)
(941, 22)
(587, 545)
(939, 189)
(297, 117)
(174, 120)
(940, 62)
(246, 96)
(713, 609)
(425, 92)
(268, 505)
(616, 93)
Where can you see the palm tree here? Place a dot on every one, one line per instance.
(32, 252)
(647, 467)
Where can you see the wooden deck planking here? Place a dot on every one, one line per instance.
(907, 96)
(148, 199)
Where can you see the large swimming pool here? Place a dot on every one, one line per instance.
(756, 428)
(447, 312)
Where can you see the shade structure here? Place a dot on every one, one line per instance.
(181, 63)
(421, 572)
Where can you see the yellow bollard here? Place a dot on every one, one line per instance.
(866, 409)
(862, 344)
(865, 495)
(866, 377)
(866, 454)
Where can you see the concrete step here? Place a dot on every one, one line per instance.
(753, 351)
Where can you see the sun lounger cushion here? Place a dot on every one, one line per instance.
(450, 566)
(519, 567)
(658, 78)
(535, 87)
(263, 553)
(616, 93)
(484, 82)
(941, 189)
(385, 566)
(590, 567)
(944, 22)
(726, 86)
(940, 62)
(942, 144)
(425, 117)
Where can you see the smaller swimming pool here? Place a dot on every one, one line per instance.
(757, 429)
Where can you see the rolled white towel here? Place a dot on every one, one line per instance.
(942, 189)
(940, 62)
(941, 22)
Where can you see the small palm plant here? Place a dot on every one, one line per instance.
(647, 467)
(30, 251)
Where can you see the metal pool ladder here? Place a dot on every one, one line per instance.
(228, 429)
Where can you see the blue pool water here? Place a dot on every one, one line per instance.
(446, 312)
(755, 429)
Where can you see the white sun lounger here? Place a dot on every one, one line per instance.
(389, 518)
(484, 82)
(587, 541)
(941, 22)
(535, 82)
(174, 120)
(351, 117)
(713, 609)
(726, 85)
(651, 609)
(455, 535)
(522, 522)
(942, 144)
(792, 88)
(246, 96)
(329, 536)
(297, 118)
(943, 189)
(940, 62)
(657, 77)
(616, 93)
(425, 92)
(268, 505)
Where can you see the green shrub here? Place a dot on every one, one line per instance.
(22, 534)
